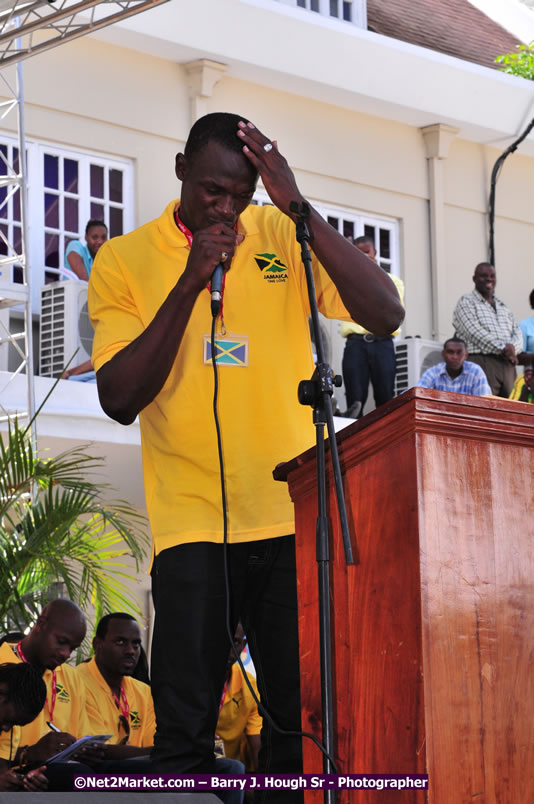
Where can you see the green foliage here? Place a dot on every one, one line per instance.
(519, 63)
(56, 528)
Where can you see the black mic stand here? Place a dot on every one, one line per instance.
(317, 392)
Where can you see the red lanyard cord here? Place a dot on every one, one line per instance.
(122, 704)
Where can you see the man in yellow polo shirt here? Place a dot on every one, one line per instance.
(117, 704)
(151, 311)
(59, 630)
(120, 705)
(368, 356)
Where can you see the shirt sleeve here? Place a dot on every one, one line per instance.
(77, 247)
(112, 310)
(427, 379)
(517, 339)
(481, 385)
(329, 301)
(149, 726)
(524, 333)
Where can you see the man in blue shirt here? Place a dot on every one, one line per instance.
(456, 373)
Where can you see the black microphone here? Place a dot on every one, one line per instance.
(216, 289)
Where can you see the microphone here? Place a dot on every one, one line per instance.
(216, 289)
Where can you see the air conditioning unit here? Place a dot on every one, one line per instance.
(65, 326)
(414, 356)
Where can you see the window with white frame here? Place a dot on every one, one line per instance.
(66, 188)
(78, 187)
(354, 11)
(384, 231)
(10, 213)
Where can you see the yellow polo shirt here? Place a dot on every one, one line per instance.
(69, 713)
(102, 709)
(239, 716)
(517, 390)
(268, 351)
(349, 327)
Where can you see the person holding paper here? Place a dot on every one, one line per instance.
(59, 630)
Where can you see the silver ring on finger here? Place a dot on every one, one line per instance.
(268, 147)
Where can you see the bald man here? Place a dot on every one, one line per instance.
(59, 630)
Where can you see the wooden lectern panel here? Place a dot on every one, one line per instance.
(433, 629)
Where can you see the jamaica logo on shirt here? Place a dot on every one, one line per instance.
(135, 720)
(272, 268)
(62, 694)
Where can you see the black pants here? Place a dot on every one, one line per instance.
(190, 649)
(364, 361)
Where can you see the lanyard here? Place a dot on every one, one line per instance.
(122, 704)
(50, 706)
(189, 237)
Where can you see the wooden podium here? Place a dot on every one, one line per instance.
(433, 627)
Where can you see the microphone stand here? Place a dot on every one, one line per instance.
(317, 392)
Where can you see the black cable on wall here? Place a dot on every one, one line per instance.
(493, 186)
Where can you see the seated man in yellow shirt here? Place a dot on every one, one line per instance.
(120, 705)
(239, 723)
(59, 630)
(116, 703)
(523, 390)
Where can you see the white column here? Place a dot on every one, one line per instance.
(437, 139)
(202, 75)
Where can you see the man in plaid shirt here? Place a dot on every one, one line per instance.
(487, 325)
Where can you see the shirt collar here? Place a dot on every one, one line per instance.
(444, 372)
(479, 295)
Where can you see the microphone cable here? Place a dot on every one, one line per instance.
(261, 708)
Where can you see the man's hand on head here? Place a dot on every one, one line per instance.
(276, 175)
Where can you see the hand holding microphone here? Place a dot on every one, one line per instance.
(216, 285)
(212, 251)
